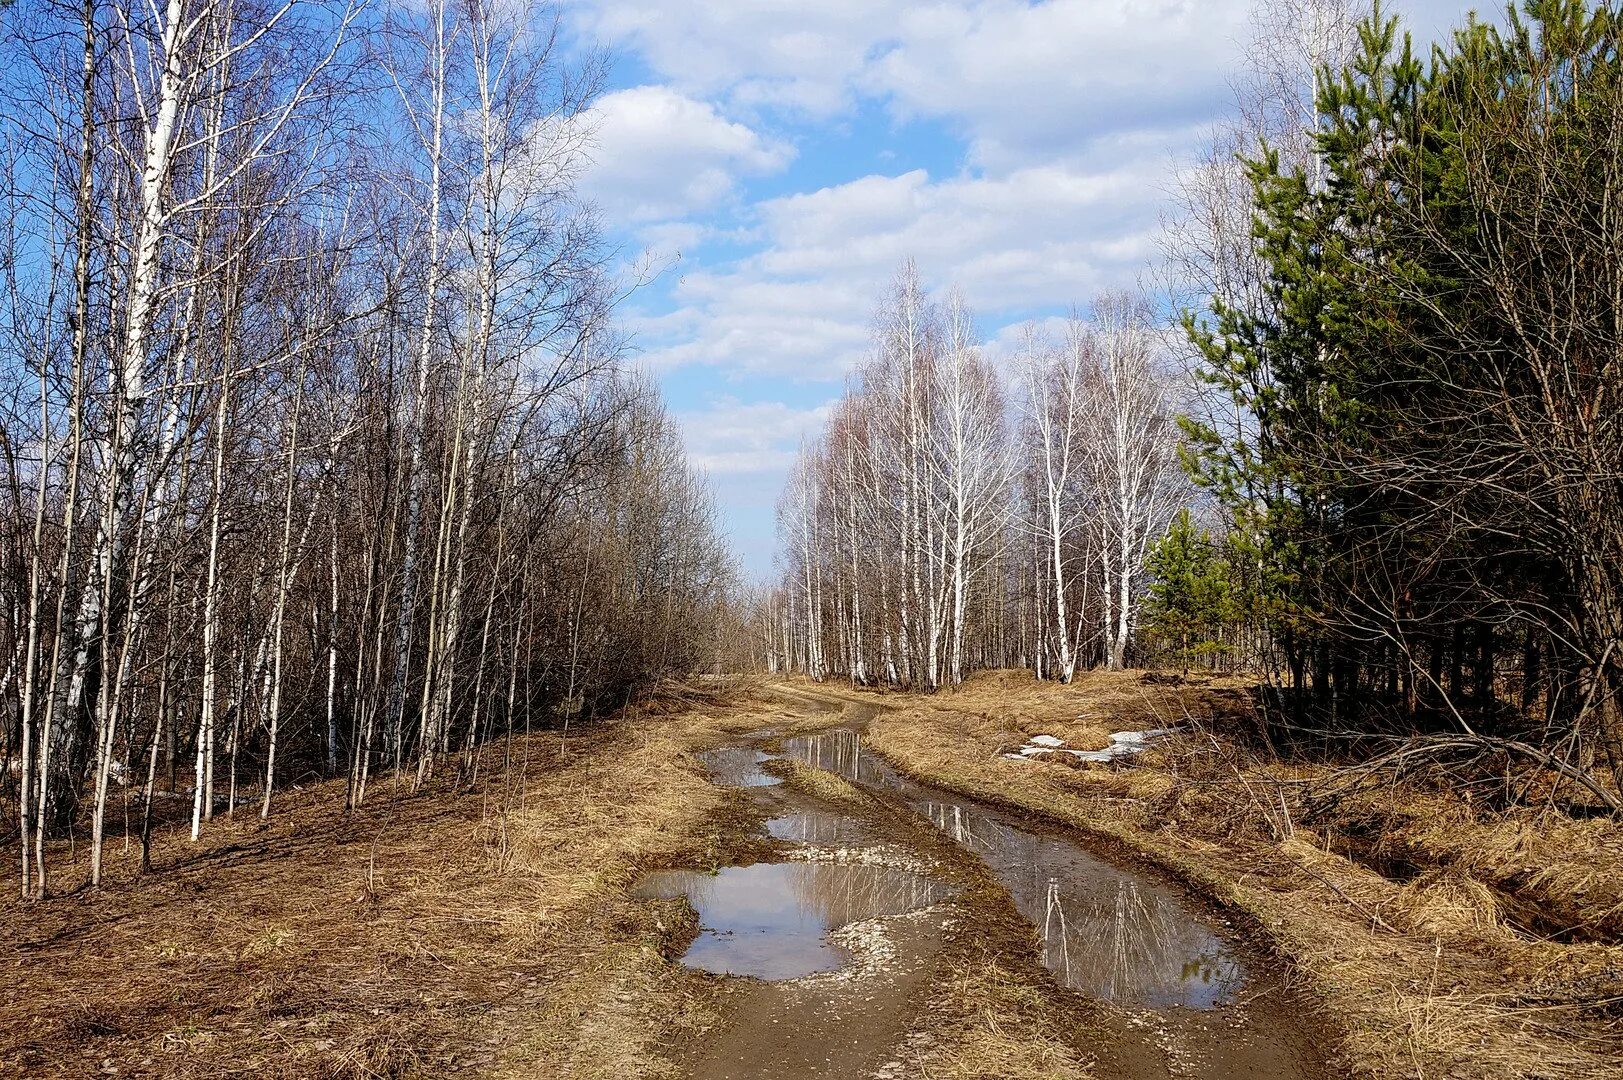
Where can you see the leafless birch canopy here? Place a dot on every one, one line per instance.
(963, 511)
(319, 453)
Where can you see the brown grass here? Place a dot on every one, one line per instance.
(423, 934)
(996, 1025)
(1426, 973)
(821, 784)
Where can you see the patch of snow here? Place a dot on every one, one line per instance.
(1139, 738)
(1122, 744)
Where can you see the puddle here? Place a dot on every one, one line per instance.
(739, 766)
(1104, 931)
(840, 752)
(771, 920)
(1107, 932)
(815, 827)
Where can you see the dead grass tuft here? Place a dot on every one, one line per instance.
(821, 784)
(1001, 1035)
(387, 1050)
(1446, 904)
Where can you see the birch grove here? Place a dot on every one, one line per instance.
(962, 511)
(320, 459)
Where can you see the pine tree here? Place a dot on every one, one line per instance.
(1190, 600)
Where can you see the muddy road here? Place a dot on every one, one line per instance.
(859, 949)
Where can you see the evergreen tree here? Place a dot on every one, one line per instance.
(1431, 461)
(1190, 600)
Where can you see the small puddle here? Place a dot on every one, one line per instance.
(815, 827)
(840, 751)
(1107, 932)
(738, 766)
(771, 920)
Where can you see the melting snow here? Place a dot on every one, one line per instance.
(1122, 744)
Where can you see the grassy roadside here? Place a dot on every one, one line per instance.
(1427, 965)
(428, 933)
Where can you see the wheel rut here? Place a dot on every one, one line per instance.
(830, 961)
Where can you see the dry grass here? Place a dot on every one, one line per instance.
(423, 934)
(1560, 876)
(1426, 973)
(997, 1026)
(821, 784)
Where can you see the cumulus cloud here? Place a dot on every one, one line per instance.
(659, 154)
(1013, 75)
(1021, 79)
(731, 437)
(1026, 81)
(800, 306)
(1033, 237)
(786, 54)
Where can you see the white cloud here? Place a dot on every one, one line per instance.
(1026, 81)
(758, 53)
(1033, 237)
(800, 307)
(746, 327)
(1021, 79)
(733, 438)
(1012, 75)
(659, 154)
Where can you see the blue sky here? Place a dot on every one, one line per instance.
(780, 159)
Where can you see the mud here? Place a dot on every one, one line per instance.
(739, 766)
(1108, 932)
(835, 950)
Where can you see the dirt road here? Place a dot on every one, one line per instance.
(620, 906)
(1023, 953)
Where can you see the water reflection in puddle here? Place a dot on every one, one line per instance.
(1104, 931)
(738, 766)
(814, 827)
(771, 919)
(840, 751)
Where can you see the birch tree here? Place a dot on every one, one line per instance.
(309, 430)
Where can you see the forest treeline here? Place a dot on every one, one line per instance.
(936, 526)
(318, 453)
(1400, 416)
